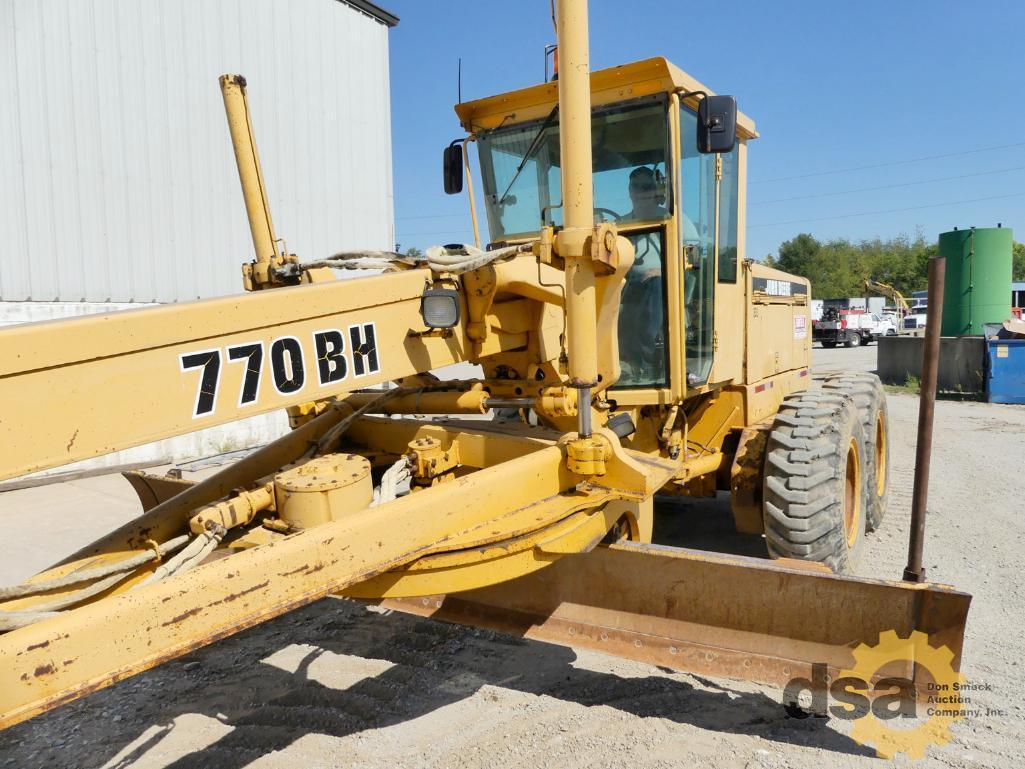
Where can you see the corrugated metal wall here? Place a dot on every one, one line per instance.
(117, 179)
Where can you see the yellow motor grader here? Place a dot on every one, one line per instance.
(628, 349)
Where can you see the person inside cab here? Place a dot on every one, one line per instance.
(642, 313)
(642, 328)
(647, 194)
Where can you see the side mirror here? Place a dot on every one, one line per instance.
(717, 124)
(453, 168)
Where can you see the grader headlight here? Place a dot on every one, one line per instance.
(439, 307)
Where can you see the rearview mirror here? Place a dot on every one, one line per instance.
(717, 124)
(453, 168)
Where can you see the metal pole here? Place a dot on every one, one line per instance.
(914, 571)
(577, 203)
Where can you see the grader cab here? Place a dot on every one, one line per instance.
(628, 346)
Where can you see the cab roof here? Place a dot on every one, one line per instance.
(615, 84)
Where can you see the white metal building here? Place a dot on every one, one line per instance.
(117, 178)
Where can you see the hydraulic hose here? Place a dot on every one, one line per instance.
(88, 575)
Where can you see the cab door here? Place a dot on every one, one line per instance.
(711, 233)
(729, 283)
(697, 226)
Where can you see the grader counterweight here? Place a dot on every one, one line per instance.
(613, 312)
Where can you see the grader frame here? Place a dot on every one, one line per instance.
(541, 530)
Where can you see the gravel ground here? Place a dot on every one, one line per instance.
(338, 685)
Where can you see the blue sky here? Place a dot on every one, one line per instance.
(926, 100)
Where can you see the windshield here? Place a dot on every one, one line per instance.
(522, 175)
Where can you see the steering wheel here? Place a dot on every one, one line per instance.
(615, 217)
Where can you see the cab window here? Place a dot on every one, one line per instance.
(697, 232)
(728, 207)
(522, 169)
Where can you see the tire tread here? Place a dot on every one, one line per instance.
(802, 492)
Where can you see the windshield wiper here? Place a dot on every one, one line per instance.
(534, 144)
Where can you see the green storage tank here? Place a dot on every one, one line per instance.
(978, 280)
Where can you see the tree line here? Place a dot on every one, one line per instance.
(838, 267)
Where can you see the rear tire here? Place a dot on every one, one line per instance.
(814, 495)
(853, 340)
(870, 399)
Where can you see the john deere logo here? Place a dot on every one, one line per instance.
(891, 713)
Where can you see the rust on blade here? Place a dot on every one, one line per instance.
(728, 616)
